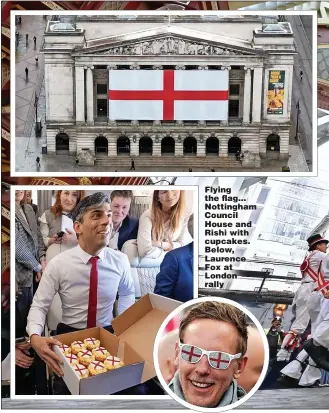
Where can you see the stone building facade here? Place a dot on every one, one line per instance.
(80, 53)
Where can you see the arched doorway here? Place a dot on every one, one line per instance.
(212, 146)
(145, 146)
(273, 143)
(167, 146)
(190, 146)
(101, 145)
(234, 145)
(123, 145)
(62, 143)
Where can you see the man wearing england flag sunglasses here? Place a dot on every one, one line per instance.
(210, 355)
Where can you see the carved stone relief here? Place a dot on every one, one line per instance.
(171, 46)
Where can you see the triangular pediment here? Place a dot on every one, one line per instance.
(168, 40)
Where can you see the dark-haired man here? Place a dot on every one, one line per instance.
(210, 355)
(88, 279)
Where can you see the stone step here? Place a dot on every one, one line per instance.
(174, 161)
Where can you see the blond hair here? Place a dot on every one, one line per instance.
(177, 213)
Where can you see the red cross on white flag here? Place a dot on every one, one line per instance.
(168, 95)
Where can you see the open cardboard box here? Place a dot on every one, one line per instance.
(135, 330)
(106, 383)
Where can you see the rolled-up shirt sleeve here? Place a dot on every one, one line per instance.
(126, 289)
(144, 239)
(48, 287)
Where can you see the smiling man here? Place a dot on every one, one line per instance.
(210, 355)
(124, 227)
(87, 278)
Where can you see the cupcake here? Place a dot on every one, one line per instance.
(85, 357)
(65, 349)
(77, 346)
(100, 353)
(81, 371)
(96, 367)
(112, 362)
(91, 343)
(72, 359)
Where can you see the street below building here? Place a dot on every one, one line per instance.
(302, 90)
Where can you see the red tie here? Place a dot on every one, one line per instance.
(92, 305)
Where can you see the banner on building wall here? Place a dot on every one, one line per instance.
(275, 92)
(168, 95)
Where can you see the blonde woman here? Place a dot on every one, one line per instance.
(56, 238)
(163, 227)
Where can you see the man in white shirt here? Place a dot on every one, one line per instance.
(87, 278)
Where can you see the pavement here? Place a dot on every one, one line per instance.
(302, 90)
(27, 87)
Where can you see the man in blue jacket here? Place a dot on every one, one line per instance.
(175, 279)
(124, 226)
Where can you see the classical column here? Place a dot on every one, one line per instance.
(201, 146)
(111, 122)
(225, 122)
(257, 94)
(246, 95)
(80, 94)
(90, 96)
(134, 144)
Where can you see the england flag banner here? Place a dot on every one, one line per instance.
(168, 94)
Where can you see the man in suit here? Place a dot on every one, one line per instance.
(175, 279)
(125, 227)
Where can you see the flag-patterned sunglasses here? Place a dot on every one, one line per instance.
(217, 359)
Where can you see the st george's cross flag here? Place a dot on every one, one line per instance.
(168, 94)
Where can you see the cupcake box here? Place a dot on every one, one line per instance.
(135, 332)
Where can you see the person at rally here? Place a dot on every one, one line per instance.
(163, 227)
(274, 336)
(309, 308)
(29, 201)
(175, 279)
(124, 227)
(219, 331)
(318, 346)
(88, 274)
(56, 238)
(317, 251)
(29, 264)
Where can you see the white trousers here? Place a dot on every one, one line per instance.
(321, 334)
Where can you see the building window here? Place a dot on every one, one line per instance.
(235, 89)
(263, 196)
(101, 88)
(254, 216)
(233, 108)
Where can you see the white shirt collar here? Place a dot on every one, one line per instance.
(85, 257)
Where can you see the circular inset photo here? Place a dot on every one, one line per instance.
(211, 353)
